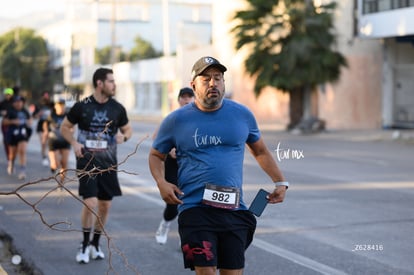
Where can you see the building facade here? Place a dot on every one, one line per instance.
(354, 102)
(376, 89)
(389, 22)
(91, 25)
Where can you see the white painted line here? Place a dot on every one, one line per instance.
(286, 254)
(131, 191)
(296, 258)
(289, 255)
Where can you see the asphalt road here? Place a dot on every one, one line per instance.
(349, 210)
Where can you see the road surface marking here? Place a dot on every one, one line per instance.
(296, 258)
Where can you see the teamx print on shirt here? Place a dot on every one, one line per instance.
(203, 139)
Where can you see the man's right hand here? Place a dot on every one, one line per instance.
(168, 192)
(78, 149)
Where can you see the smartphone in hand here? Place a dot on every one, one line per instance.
(259, 203)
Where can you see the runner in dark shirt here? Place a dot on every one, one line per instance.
(102, 124)
(19, 130)
(59, 148)
(5, 104)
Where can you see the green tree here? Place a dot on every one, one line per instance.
(24, 61)
(103, 55)
(291, 46)
(142, 50)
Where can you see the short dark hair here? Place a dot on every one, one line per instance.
(100, 74)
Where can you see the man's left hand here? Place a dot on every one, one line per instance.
(278, 195)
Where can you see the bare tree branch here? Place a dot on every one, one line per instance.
(112, 248)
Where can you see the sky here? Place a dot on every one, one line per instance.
(17, 8)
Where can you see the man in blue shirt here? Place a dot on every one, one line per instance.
(185, 96)
(210, 136)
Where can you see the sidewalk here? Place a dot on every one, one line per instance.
(34, 169)
(400, 135)
(18, 265)
(370, 135)
(7, 267)
(403, 135)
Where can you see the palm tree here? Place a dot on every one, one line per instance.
(291, 46)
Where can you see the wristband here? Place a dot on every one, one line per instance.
(125, 138)
(282, 183)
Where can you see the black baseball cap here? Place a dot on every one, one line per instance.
(205, 62)
(18, 98)
(187, 91)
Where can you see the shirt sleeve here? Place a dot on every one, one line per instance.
(254, 132)
(164, 140)
(74, 113)
(123, 120)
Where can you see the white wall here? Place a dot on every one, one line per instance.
(141, 85)
(389, 23)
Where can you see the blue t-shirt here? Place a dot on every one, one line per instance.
(210, 147)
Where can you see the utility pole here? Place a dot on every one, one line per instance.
(114, 21)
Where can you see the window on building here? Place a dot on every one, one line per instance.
(373, 6)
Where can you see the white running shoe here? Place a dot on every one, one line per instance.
(96, 254)
(22, 175)
(83, 255)
(162, 233)
(10, 169)
(45, 162)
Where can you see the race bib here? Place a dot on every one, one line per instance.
(221, 197)
(21, 131)
(96, 145)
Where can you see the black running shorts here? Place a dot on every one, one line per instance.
(58, 144)
(104, 185)
(215, 237)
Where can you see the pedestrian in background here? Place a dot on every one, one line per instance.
(185, 96)
(5, 104)
(99, 118)
(41, 113)
(19, 122)
(58, 147)
(210, 135)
